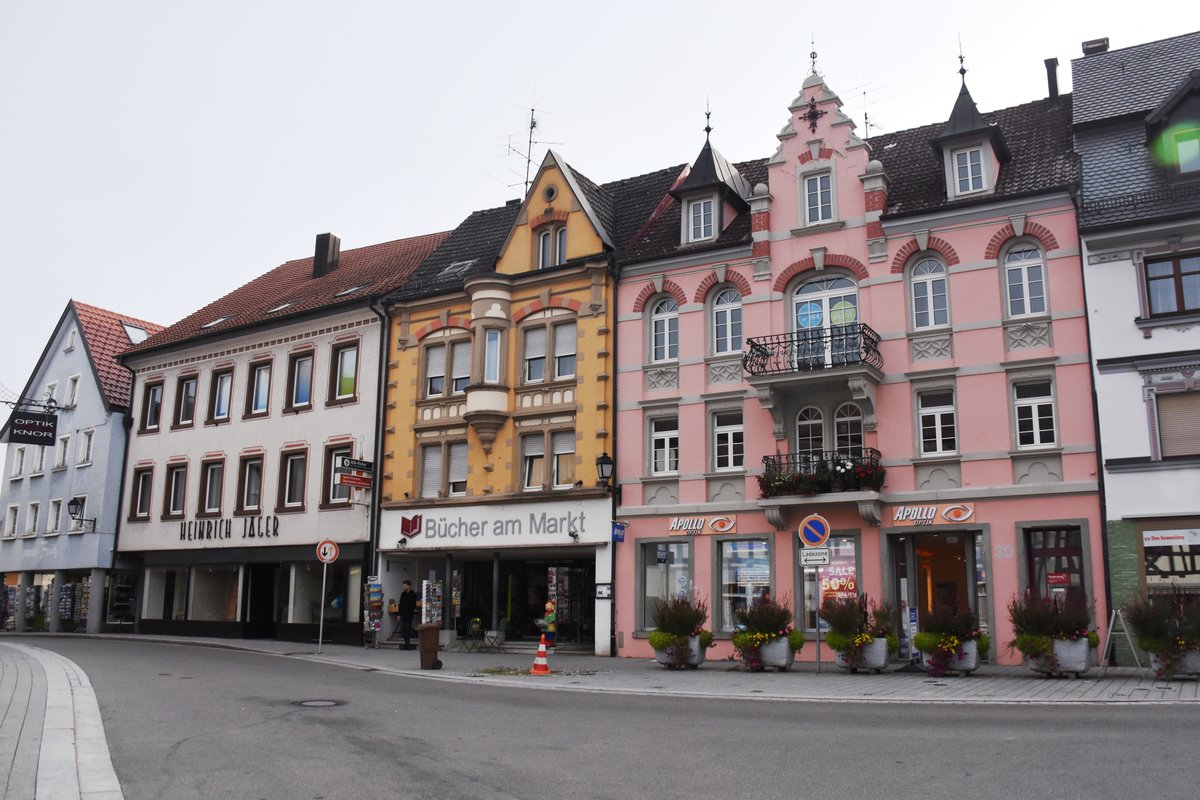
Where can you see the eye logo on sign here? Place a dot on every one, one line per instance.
(722, 524)
(958, 513)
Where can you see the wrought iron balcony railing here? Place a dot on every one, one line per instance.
(853, 470)
(809, 350)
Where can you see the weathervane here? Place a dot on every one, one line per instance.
(707, 120)
(813, 55)
(962, 70)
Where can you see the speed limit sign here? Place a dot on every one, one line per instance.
(327, 551)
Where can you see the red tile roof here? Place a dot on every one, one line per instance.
(292, 289)
(105, 337)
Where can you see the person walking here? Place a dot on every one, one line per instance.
(407, 607)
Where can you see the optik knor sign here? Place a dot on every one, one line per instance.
(27, 427)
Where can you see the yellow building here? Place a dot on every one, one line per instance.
(498, 405)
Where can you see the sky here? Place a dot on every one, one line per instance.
(155, 156)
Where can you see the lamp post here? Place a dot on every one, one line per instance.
(604, 471)
(75, 510)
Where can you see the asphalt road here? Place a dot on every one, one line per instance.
(192, 722)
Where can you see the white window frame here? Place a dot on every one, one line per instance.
(87, 442)
(941, 418)
(664, 446)
(566, 349)
(63, 451)
(11, 518)
(531, 454)
(76, 525)
(1188, 140)
(435, 373)
(39, 460)
(18, 462)
(293, 496)
(1030, 411)
(143, 487)
(176, 487)
(848, 429)
(562, 446)
(456, 457)
(152, 397)
(532, 357)
(300, 377)
(337, 493)
(819, 184)
(222, 389)
(52, 391)
(459, 377)
(552, 246)
(72, 396)
(972, 176)
(1014, 263)
(701, 219)
(185, 408)
(32, 518)
(54, 517)
(923, 286)
(246, 467)
(812, 419)
(492, 338)
(346, 355)
(664, 331)
(728, 440)
(260, 389)
(726, 312)
(211, 469)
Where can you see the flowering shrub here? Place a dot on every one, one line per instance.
(946, 631)
(1167, 625)
(676, 620)
(843, 473)
(761, 624)
(855, 622)
(1038, 621)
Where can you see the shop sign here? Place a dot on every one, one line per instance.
(561, 522)
(353, 472)
(198, 530)
(618, 531)
(28, 427)
(1172, 538)
(697, 526)
(914, 514)
(1172, 558)
(1058, 579)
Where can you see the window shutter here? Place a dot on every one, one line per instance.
(458, 462)
(431, 471)
(564, 339)
(534, 445)
(563, 442)
(437, 361)
(1179, 423)
(535, 343)
(462, 360)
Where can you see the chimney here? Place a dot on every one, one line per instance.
(325, 260)
(1095, 47)
(1052, 77)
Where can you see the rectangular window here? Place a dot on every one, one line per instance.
(76, 525)
(836, 580)
(166, 593)
(54, 518)
(72, 392)
(152, 406)
(85, 447)
(1173, 284)
(18, 462)
(335, 493)
(1179, 423)
(39, 460)
(535, 355)
(258, 395)
(435, 370)
(968, 170)
(1026, 285)
(1033, 404)
(533, 451)
(727, 440)
(745, 575)
(185, 402)
(212, 485)
(174, 503)
(431, 470)
(300, 371)
(344, 385)
(220, 395)
(10, 521)
(563, 445)
(1056, 563)
(818, 199)
(700, 216)
(1187, 150)
(936, 421)
(491, 356)
(214, 594)
(565, 336)
(250, 473)
(460, 367)
(456, 476)
(143, 481)
(293, 471)
(664, 446)
(31, 521)
(60, 455)
(666, 573)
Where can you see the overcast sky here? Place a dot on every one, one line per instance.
(156, 155)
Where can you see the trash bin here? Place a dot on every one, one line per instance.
(427, 643)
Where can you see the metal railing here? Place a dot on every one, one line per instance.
(850, 470)
(815, 349)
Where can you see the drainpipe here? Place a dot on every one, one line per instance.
(375, 511)
(127, 427)
(614, 273)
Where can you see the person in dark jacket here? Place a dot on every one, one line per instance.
(407, 606)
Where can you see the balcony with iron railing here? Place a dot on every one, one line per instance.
(838, 476)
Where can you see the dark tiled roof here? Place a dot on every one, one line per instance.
(1133, 79)
(105, 337)
(369, 271)
(640, 195)
(1038, 136)
(711, 169)
(474, 246)
(599, 199)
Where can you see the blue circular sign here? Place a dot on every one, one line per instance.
(814, 531)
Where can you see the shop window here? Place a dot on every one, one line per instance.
(343, 373)
(744, 571)
(1033, 408)
(930, 298)
(293, 472)
(337, 605)
(1025, 282)
(212, 484)
(1178, 423)
(1056, 563)
(151, 417)
(300, 376)
(174, 501)
(664, 446)
(836, 580)
(220, 395)
(139, 503)
(185, 402)
(165, 593)
(334, 494)
(727, 322)
(250, 473)
(1173, 284)
(215, 593)
(258, 390)
(937, 422)
(727, 441)
(666, 573)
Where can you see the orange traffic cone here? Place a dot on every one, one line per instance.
(540, 665)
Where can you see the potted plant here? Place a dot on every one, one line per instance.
(765, 636)
(1053, 635)
(1167, 626)
(860, 632)
(679, 638)
(951, 641)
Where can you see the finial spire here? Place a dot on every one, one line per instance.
(813, 55)
(707, 120)
(962, 70)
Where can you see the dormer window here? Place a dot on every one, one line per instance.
(700, 220)
(1187, 152)
(968, 170)
(552, 246)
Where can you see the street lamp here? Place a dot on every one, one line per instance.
(604, 471)
(75, 507)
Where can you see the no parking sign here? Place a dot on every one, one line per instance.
(814, 531)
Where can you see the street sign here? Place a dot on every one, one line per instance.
(327, 551)
(814, 531)
(353, 464)
(815, 556)
(356, 481)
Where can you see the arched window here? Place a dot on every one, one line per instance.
(1024, 281)
(825, 314)
(848, 429)
(552, 246)
(727, 322)
(930, 306)
(664, 330)
(810, 435)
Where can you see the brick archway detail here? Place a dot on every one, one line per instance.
(831, 260)
(936, 245)
(538, 305)
(712, 280)
(453, 322)
(669, 287)
(1032, 229)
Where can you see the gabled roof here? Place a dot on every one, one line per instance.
(965, 120)
(105, 336)
(1190, 84)
(711, 170)
(291, 291)
(1039, 142)
(1132, 80)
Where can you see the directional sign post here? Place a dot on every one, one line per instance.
(327, 553)
(353, 472)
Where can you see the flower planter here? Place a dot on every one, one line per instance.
(1188, 665)
(695, 656)
(875, 656)
(777, 653)
(966, 663)
(1070, 658)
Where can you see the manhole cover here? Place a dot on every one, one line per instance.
(319, 703)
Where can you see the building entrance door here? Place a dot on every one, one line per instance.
(258, 593)
(932, 570)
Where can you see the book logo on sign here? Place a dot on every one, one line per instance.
(411, 526)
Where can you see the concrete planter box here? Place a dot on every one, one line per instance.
(875, 656)
(778, 654)
(695, 656)
(1070, 658)
(966, 663)
(1188, 666)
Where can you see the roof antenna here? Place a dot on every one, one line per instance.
(527, 156)
(707, 119)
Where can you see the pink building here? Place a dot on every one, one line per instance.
(887, 334)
